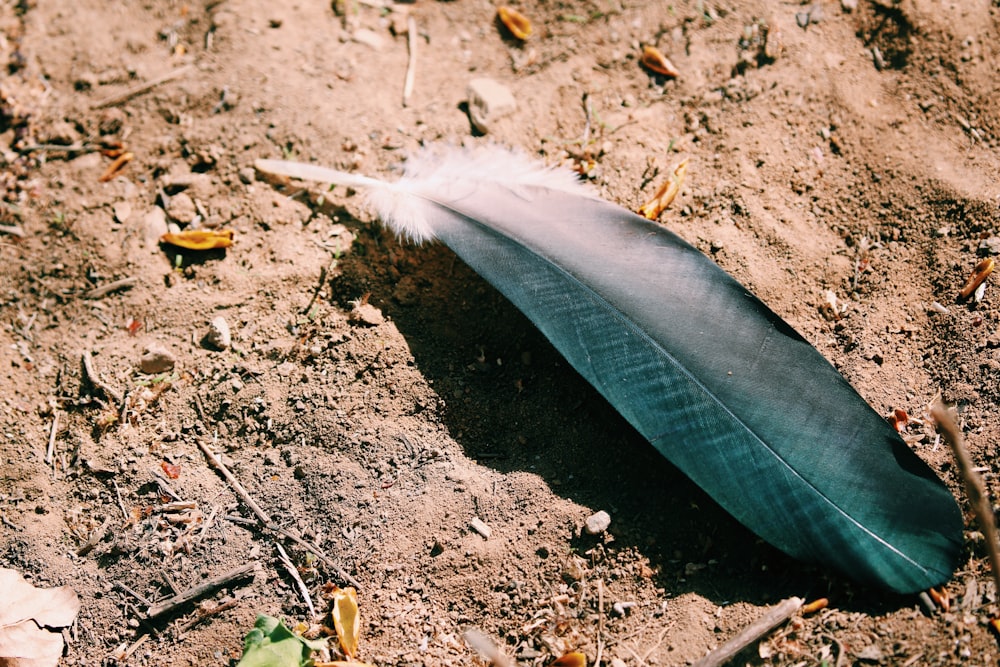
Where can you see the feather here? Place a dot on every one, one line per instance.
(717, 382)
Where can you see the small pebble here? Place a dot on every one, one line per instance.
(597, 523)
(154, 225)
(156, 358)
(369, 38)
(181, 208)
(122, 211)
(218, 336)
(488, 101)
(477, 525)
(367, 314)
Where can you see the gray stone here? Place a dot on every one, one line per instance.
(489, 100)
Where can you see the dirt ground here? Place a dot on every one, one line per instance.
(843, 165)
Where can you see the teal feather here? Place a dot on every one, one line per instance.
(716, 381)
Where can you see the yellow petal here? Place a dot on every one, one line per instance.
(345, 619)
(571, 659)
(516, 22)
(654, 60)
(200, 239)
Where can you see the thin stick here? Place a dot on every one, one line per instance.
(204, 588)
(294, 574)
(133, 593)
(99, 384)
(134, 647)
(202, 615)
(141, 88)
(217, 463)
(600, 623)
(52, 437)
(104, 290)
(974, 486)
(165, 486)
(774, 617)
(121, 504)
(411, 65)
(265, 520)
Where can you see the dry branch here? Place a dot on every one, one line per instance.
(774, 617)
(141, 88)
(195, 592)
(974, 486)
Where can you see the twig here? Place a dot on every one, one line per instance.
(411, 65)
(132, 649)
(182, 598)
(974, 486)
(165, 486)
(294, 573)
(202, 615)
(319, 288)
(52, 437)
(141, 88)
(104, 290)
(316, 551)
(99, 384)
(13, 230)
(121, 504)
(487, 649)
(217, 463)
(600, 623)
(134, 594)
(774, 617)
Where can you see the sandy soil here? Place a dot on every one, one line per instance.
(854, 157)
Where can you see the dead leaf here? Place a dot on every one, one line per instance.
(26, 614)
(200, 239)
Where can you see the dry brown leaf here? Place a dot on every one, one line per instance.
(26, 613)
(346, 620)
(652, 209)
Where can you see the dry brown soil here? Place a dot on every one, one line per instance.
(859, 162)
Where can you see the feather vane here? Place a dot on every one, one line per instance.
(717, 382)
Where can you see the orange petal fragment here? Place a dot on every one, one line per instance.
(172, 471)
(516, 22)
(815, 605)
(979, 274)
(116, 166)
(346, 620)
(571, 659)
(200, 239)
(652, 209)
(940, 597)
(654, 60)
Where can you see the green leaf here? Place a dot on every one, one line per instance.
(271, 644)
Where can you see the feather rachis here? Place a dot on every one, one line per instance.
(438, 175)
